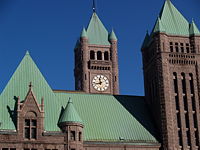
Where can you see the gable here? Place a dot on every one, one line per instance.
(25, 73)
(105, 117)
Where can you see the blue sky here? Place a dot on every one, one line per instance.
(49, 30)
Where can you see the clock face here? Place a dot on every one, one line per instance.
(100, 83)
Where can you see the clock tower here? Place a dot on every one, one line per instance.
(96, 60)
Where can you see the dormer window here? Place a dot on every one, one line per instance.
(30, 129)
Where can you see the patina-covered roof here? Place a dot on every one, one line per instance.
(97, 33)
(159, 27)
(112, 35)
(83, 33)
(193, 29)
(172, 22)
(27, 72)
(70, 114)
(105, 117)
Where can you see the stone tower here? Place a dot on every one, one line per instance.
(171, 63)
(96, 60)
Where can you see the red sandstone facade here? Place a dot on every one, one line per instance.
(92, 60)
(171, 74)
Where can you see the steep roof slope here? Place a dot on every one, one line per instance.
(173, 21)
(27, 72)
(105, 117)
(70, 114)
(109, 118)
(96, 32)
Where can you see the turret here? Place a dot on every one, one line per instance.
(114, 58)
(72, 126)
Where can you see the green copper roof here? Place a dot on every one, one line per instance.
(146, 40)
(173, 21)
(159, 27)
(193, 29)
(112, 36)
(97, 33)
(25, 73)
(109, 118)
(70, 114)
(84, 33)
(106, 117)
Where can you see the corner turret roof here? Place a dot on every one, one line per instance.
(159, 27)
(84, 33)
(112, 36)
(146, 40)
(70, 114)
(193, 29)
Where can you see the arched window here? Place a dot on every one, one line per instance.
(99, 55)
(106, 57)
(92, 55)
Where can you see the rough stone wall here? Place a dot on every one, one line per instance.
(160, 62)
(85, 73)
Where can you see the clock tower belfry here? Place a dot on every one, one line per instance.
(96, 60)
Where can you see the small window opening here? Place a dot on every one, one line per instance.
(188, 138)
(176, 47)
(187, 48)
(106, 57)
(72, 135)
(171, 47)
(178, 120)
(180, 138)
(182, 48)
(99, 55)
(92, 55)
(80, 136)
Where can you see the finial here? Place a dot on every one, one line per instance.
(192, 20)
(30, 85)
(70, 100)
(94, 6)
(27, 52)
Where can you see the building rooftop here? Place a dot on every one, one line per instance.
(106, 118)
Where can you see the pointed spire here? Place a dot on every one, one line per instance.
(96, 31)
(159, 26)
(70, 114)
(84, 33)
(173, 21)
(112, 36)
(193, 29)
(146, 40)
(94, 6)
(27, 52)
(30, 86)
